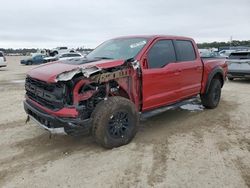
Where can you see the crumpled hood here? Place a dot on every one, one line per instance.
(49, 72)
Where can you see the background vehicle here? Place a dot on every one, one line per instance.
(205, 53)
(65, 56)
(3, 62)
(71, 55)
(41, 51)
(60, 50)
(238, 65)
(105, 92)
(34, 59)
(226, 53)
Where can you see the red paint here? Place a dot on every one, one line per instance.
(49, 71)
(64, 112)
(78, 96)
(154, 88)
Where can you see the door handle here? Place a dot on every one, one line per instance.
(198, 68)
(178, 70)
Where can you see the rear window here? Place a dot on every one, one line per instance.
(185, 50)
(239, 55)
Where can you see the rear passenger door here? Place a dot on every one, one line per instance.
(190, 68)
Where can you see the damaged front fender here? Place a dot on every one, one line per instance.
(86, 72)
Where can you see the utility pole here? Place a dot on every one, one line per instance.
(231, 39)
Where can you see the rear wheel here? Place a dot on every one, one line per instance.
(115, 122)
(212, 98)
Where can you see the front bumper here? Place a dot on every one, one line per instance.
(3, 64)
(57, 125)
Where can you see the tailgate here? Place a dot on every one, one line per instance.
(239, 65)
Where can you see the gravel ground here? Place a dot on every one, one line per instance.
(186, 147)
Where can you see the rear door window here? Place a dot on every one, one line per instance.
(185, 50)
(161, 54)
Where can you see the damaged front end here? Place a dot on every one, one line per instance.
(69, 102)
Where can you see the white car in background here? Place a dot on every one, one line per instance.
(60, 50)
(70, 55)
(225, 53)
(3, 62)
(65, 56)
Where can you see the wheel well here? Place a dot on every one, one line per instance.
(123, 93)
(120, 91)
(219, 76)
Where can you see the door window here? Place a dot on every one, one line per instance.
(161, 54)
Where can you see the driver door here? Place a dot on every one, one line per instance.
(159, 75)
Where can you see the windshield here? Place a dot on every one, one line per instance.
(123, 48)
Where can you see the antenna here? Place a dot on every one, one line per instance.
(231, 39)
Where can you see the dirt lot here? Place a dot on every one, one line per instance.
(179, 148)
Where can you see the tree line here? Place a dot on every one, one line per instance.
(22, 51)
(223, 44)
(26, 51)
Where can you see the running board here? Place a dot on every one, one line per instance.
(151, 113)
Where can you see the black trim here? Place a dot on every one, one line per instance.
(71, 125)
(215, 70)
(158, 110)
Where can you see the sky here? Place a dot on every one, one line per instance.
(87, 23)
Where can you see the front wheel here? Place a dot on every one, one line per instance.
(115, 122)
(212, 98)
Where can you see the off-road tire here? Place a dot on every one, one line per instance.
(104, 113)
(211, 99)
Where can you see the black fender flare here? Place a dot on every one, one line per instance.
(215, 71)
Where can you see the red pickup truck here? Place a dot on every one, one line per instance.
(108, 91)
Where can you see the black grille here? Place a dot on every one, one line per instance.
(46, 94)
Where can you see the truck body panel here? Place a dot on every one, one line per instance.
(71, 89)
